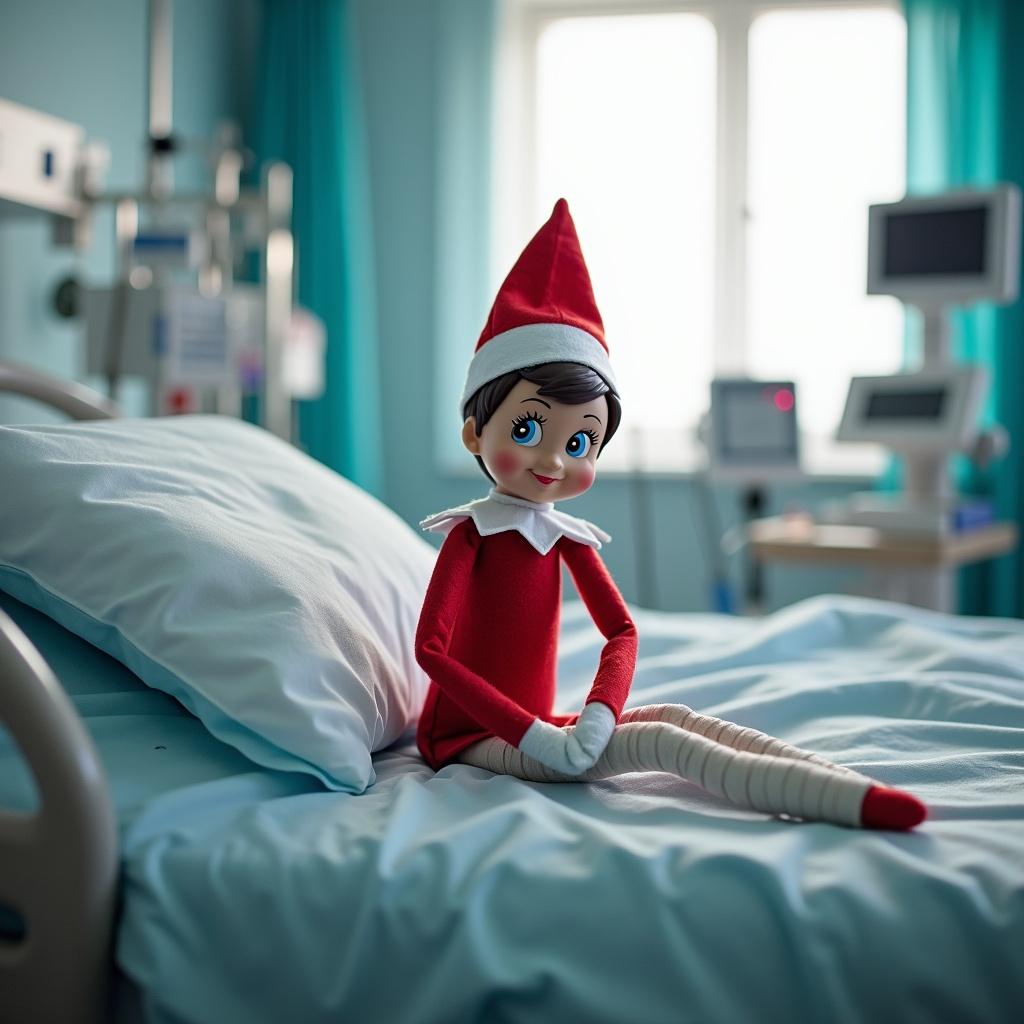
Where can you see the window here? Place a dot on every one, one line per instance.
(718, 160)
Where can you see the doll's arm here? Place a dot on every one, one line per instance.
(611, 616)
(441, 607)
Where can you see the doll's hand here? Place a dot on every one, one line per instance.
(554, 748)
(593, 730)
(574, 751)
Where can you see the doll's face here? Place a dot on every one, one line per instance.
(537, 448)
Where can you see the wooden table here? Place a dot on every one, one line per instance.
(917, 570)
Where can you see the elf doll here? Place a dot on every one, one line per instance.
(539, 405)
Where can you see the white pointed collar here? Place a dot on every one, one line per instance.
(538, 521)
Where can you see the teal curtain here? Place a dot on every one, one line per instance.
(965, 126)
(309, 113)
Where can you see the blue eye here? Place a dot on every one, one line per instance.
(527, 431)
(579, 444)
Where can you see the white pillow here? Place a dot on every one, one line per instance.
(277, 601)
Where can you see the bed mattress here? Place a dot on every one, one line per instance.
(253, 895)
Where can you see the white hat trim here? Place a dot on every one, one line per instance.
(532, 345)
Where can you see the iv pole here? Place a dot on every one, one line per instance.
(271, 206)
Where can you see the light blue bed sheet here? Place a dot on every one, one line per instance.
(253, 895)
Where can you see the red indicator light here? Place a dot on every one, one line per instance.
(784, 400)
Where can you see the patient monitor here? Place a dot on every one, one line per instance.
(951, 249)
(753, 436)
(932, 253)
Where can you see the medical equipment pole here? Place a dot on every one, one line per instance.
(643, 522)
(278, 267)
(752, 503)
(126, 224)
(712, 543)
(220, 272)
(160, 180)
(926, 474)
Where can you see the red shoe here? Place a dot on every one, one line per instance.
(891, 809)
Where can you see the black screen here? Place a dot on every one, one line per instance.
(944, 242)
(922, 404)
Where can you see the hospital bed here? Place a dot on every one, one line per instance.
(159, 851)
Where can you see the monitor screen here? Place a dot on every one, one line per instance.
(933, 411)
(757, 422)
(919, 404)
(936, 242)
(955, 248)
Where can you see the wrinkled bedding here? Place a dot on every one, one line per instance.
(256, 895)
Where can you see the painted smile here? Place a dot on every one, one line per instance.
(545, 480)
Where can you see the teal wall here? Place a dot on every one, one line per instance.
(85, 61)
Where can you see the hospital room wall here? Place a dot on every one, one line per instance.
(426, 205)
(86, 63)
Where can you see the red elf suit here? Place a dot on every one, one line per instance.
(488, 631)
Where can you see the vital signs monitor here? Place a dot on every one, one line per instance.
(933, 410)
(753, 428)
(950, 249)
(934, 253)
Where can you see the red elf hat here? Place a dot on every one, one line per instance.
(544, 312)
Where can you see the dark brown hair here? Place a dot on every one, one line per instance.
(571, 383)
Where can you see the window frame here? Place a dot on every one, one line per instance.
(520, 25)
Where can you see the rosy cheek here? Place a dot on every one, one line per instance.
(506, 463)
(584, 477)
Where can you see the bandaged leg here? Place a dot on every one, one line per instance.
(728, 733)
(773, 784)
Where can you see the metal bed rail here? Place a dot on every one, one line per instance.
(76, 400)
(59, 866)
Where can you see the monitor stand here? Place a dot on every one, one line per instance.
(928, 504)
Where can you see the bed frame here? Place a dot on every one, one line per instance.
(76, 400)
(59, 865)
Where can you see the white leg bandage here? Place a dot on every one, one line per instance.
(736, 736)
(771, 784)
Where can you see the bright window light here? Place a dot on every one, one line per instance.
(625, 130)
(621, 114)
(826, 138)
